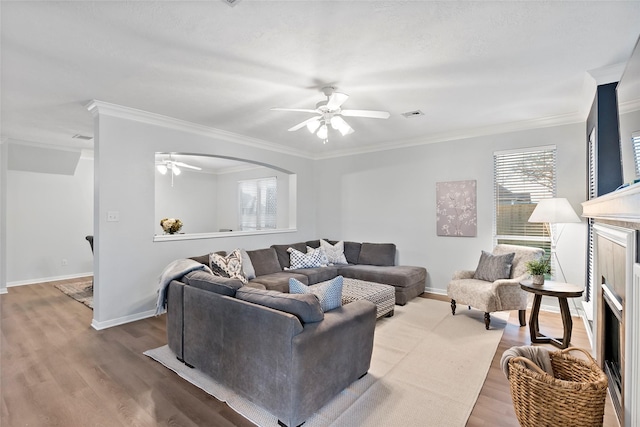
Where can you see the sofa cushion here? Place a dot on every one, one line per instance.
(220, 285)
(204, 259)
(283, 255)
(383, 254)
(279, 281)
(397, 275)
(304, 306)
(335, 253)
(264, 261)
(351, 250)
(313, 244)
(494, 267)
(231, 264)
(329, 293)
(318, 274)
(313, 258)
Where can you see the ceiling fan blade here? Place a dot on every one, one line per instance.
(340, 125)
(301, 110)
(184, 165)
(336, 100)
(303, 124)
(366, 113)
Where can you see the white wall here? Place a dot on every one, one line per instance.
(389, 196)
(48, 217)
(192, 199)
(128, 260)
(3, 216)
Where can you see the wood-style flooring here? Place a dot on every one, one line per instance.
(56, 370)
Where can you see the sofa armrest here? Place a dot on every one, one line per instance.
(463, 274)
(509, 282)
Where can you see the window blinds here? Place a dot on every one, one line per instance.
(258, 202)
(635, 138)
(521, 179)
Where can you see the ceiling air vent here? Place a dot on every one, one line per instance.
(231, 2)
(414, 113)
(84, 137)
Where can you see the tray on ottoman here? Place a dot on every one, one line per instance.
(383, 296)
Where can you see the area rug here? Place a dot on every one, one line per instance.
(79, 291)
(427, 369)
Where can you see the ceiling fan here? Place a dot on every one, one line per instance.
(169, 164)
(165, 165)
(330, 113)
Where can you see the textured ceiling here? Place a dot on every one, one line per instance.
(471, 67)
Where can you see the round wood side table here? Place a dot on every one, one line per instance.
(560, 290)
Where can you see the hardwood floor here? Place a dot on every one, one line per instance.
(58, 371)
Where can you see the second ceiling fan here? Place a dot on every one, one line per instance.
(330, 113)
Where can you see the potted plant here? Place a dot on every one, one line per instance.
(538, 268)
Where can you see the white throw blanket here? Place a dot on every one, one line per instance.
(175, 270)
(538, 355)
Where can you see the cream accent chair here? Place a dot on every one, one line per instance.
(501, 295)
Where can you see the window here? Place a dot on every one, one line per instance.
(521, 179)
(258, 201)
(635, 138)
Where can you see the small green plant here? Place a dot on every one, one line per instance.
(538, 267)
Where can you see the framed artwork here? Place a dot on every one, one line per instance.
(456, 208)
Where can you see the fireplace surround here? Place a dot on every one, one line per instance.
(616, 308)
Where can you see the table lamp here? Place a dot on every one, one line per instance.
(555, 210)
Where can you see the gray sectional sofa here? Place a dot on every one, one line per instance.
(279, 350)
(373, 262)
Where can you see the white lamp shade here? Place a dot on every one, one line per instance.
(556, 210)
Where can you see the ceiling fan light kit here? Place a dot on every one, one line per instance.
(330, 113)
(169, 164)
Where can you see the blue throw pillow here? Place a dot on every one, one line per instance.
(329, 293)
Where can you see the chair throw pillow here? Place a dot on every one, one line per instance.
(301, 260)
(329, 293)
(247, 265)
(494, 267)
(335, 253)
(231, 265)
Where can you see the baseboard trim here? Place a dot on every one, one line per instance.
(48, 279)
(121, 320)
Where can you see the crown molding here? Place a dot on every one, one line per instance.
(629, 106)
(96, 107)
(545, 122)
(608, 74)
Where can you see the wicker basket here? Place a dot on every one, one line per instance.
(574, 396)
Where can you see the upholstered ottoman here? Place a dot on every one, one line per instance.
(383, 296)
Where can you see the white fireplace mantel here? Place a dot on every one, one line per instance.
(619, 214)
(622, 205)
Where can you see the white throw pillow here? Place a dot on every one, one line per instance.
(299, 259)
(335, 253)
(231, 264)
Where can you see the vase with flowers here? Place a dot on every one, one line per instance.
(538, 268)
(171, 225)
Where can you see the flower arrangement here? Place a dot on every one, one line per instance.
(171, 225)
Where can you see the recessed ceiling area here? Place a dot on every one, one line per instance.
(470, 67)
